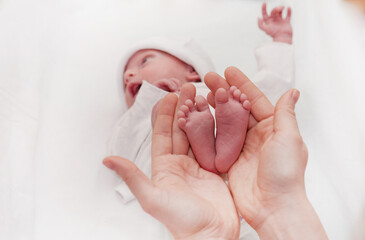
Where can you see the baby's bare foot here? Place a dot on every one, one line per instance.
(232, 111)
(198, 124)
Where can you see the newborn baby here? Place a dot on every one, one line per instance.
(153, 67)
(232, 107)
(168, 69)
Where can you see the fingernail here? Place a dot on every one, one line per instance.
(295, 95)
(108, 165)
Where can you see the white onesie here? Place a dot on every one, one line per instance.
(132, 135)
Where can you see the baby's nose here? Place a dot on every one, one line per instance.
(128, 75)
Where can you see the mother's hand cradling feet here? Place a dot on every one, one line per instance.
(267, 180)
(191, 202)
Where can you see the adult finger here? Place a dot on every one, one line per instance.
(251, 122)
(162, 131)
(155, 110)
(211, 99)
(264, 12)
(284, 116)
(261, 108)
(214, 82)
(180, 143)
(139, 184)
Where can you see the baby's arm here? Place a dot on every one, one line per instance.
(275, 25)
(275, 59)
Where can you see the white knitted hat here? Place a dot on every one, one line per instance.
(187, 50)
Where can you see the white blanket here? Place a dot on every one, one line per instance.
(59, 101)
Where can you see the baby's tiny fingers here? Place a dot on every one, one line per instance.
(260, 22)
(264, 11)
(288, 15)
(277, 12)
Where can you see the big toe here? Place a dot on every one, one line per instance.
(221, 96)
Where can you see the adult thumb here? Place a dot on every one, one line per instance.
(139, 184)
(284, 115)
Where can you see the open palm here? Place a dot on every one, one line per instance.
(262, 176)
(189, 201)
(274, 24)
(191, 198)
(268, 175)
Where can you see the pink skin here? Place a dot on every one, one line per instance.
(275, 25)
(158, 68)
(232, 109)
(232, 114)
(198, 123)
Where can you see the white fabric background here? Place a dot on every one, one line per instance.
(59, 99)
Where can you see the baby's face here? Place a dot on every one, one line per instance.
(156, 67)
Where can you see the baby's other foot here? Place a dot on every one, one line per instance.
(232, 111)
(198, 123)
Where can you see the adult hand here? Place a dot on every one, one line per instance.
(191, 202)
(267, 181)
(275, 25)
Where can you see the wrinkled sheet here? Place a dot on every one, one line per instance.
(59, 99)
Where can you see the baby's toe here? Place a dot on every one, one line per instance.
(221, 96)
(243, 97)
(201, 103)
(189, 104)
(181, 122)
(236, 95)
(246, 105)
(181, 114)
(185, 109)
(232, 89)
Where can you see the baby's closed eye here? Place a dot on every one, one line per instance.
(146, 59)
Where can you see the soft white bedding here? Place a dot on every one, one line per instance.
(59, 99)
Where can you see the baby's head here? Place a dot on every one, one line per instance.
(158, 68)
(164, 63)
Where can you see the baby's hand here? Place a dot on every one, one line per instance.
(275, 25)
(169, 84)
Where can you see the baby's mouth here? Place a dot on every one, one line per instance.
(133, 88)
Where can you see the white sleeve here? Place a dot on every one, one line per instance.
(275, 74)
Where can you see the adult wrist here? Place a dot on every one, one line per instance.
(298, 220)
(200, 236)
(217, 233)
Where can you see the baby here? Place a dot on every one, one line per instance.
(232, 108)
(170, 71)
